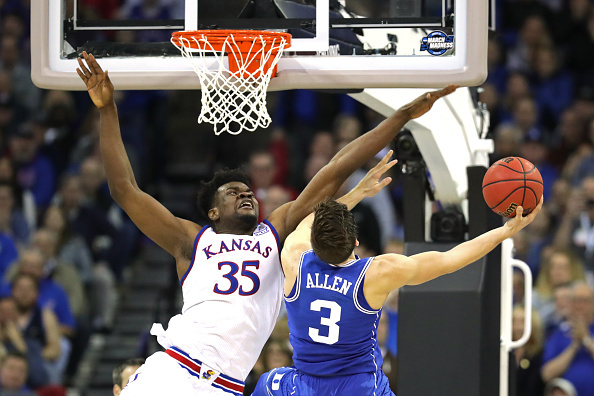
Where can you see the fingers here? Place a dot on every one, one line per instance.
(384, 182)
(519, 211)
(83, 69)
(95, 65)
(440, 93)
(385, 159)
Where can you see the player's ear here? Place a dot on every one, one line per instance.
(356, 242)
(213, 214)
(117, 390)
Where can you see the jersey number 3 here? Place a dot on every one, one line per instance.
(330, 322)
(234, 283)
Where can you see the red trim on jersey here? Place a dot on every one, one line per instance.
(195, 366)
(183, 279)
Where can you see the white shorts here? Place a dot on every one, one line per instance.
(162, 375)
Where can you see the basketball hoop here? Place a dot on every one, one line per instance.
(233, 95)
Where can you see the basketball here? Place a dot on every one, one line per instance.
(512, 182)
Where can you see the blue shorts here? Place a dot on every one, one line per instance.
(288, 381)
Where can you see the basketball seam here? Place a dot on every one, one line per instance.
(506, 180)
(517, 171)
(506, 197)
(524, 191)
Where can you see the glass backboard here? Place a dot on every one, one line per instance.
(337, 44)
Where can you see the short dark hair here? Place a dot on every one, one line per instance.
(333, 232)
(116, 374)
(208, 189)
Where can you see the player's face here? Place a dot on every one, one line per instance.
(236, 200)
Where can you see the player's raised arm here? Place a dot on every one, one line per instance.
(391, 271)
(351, 157)
(300, 239)
(152, 218)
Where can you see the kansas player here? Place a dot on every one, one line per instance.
(230, 273)
(334, 301)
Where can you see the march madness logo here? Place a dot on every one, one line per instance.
(437, 43)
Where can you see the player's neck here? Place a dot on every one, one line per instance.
(351, 258)
(235, 228)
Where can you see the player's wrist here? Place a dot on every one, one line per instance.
(109, 106)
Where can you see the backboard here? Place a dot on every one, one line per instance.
(337, 44)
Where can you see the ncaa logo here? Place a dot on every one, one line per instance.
(437, 43)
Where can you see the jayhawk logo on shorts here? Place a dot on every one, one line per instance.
(207, 374)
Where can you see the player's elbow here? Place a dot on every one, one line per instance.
(120, 190)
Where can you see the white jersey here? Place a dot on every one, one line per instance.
(232, 295)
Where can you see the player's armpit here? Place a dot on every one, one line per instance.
(157, 222)
(386, 273)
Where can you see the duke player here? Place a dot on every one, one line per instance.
(334, 301)
(230, 273)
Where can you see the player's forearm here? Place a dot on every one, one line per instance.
(117, 165)
(470, 251)
(557, 366)
(431, 265)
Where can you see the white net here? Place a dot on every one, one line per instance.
(233, 96)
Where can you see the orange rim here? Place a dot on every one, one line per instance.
(217, 37)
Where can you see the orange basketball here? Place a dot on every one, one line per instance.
(512, 182)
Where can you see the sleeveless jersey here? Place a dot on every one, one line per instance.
(232, 295)
(333, 330)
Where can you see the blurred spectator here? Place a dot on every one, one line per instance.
(569, 352)
(91, 223)
(71, 247)
(122, 372)
(562, 301)
(10, 60)
(491, 98)
(578, 38)
(560, 268)
(568, 137)
(576, 229)
(276, 196)
(12, 220)
(497, 72)
(8, 253)
(64, 274)
(14, 341)
(533, 34)
(52, 295)
(540, 235)
(528, 356)
(13, 375)
(525, 117)
(23, 199)
(34, 171)
(552, 85)
(516, 88)
(39, 324)
(508, 141)
(535, 150)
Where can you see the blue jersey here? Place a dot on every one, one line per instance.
(333, 330)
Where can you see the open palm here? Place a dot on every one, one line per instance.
(97, 81)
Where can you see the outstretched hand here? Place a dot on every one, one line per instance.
(423, 103)
(370, 185)
(518, 222)
(97, 81)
